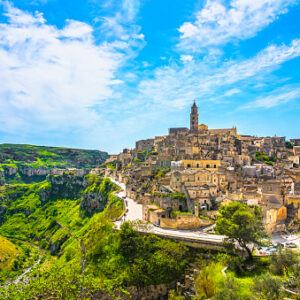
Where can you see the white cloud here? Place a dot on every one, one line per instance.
(217, 23)
(78, 30)
(51, 79)
(175, 86)
(231, 92)
(186, 58)
(277, 97)
(131, 7)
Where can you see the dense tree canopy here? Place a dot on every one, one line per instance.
(242, 225)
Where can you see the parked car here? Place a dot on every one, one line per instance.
(290, 245)
(273, 250)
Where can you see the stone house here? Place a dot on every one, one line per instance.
(202, 196)
(143, 145)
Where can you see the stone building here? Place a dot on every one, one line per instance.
(194, 118)
(143, 145)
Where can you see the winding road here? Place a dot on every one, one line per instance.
(135, 212)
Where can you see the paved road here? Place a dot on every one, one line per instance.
(135, 212)
(283, 238)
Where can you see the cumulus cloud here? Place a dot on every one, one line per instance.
(217, 23)
(52, 78)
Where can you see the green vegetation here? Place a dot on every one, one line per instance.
(8, 254)
(14, 256)
(53, 214)
(171, 195)
(111, 165)
(175, 213)
(288, 145)
(161, 172)
(16, 161)
(255, 282)
(128, 258)
(242, 225)
(33, 210)
(267, 287)
(265, 158)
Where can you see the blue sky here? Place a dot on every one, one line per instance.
(103, 74)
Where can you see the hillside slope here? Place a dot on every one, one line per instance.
(8, 253)
(28, 163)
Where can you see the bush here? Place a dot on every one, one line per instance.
(267, 287)
(237, 265)
(230, 290)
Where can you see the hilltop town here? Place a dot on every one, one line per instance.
(182, 178)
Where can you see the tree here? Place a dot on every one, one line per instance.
(267, 287)
(242, 225)
(283, 261)
(173, 295)
(204, 284)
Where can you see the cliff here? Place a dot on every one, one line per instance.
(27, 163)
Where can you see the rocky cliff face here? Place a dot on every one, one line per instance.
(76, 158)
(26, 163)
(67, 186)
(93, 195)
(92, 202)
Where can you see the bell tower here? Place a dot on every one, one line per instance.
(194, 118)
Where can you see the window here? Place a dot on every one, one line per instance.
(207, 178)
(188, 165)
(199, 178)
(198, 166)
(215, 166)
(177, 179)
(207, 166)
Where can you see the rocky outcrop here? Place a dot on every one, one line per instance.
(10, 170)
(55, 247)
(92, 202)
(67, 186)
(2, 213)
(44, 194)
(31, 171)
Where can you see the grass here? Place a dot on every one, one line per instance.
(8, 254)
(175, 213)
(246, 279)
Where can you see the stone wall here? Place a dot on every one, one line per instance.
(184, 222)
